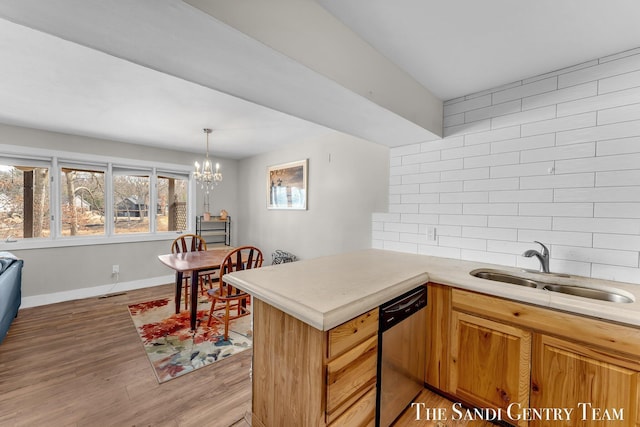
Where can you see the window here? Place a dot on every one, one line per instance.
(24, 199)
(131, 201)
(56, 196)
(172, 202)
(82, 202)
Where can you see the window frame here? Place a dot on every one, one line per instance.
(56, 160)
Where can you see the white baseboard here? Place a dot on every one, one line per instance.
(96, 291)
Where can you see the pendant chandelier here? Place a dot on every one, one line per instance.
(205, 175)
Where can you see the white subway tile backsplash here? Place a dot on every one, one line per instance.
(441, 208)
(554, 158)
(617, 210)
(465, 197)
(598, 194)
(571, 93)
(569, 238)
(421, 178)
(467, 151)
(528, 143)
(491, 160)
(492, 233)
(541, 196)
(620, 82)
(596, 164)
(400, 228)
(619, 114)
(492, 184)
(600, 102)
(528, 222)
(535, 115)
(487, 257)
(463, 243)
(556, 209)
(465, 174)
(419, 198)
(560, 124)
(601, 71)
(442, 144)
(468, 105)
(426, 157)
(441, 187)
(492, 136)
(597, 133)
(618, 178)
(541, 86)
(531, 169)
(618, 146)
(418, 219)
(576, 180)
(471, 220)
(460, 130)
(575, 151)
(456, 119)
(598, 225)
(620, 274)
(616, 241)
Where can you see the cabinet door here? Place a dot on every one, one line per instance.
(490, 362)
(601, 388)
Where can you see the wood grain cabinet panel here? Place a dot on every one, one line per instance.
(352, 332)
(490, 362)
(360, 414)
(601, 388)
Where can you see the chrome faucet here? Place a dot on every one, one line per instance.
(542, 257)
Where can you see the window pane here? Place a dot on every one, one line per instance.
(131, 204)
(82, 202)
(24, 202)
(172, 204)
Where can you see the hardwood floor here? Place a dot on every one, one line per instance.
(81, 363)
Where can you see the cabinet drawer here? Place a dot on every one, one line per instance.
(350, 376)
(350, 333)
(361, 414)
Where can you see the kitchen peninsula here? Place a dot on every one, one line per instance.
(316, 323)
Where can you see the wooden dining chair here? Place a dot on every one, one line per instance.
(191, 243)
(226, 296)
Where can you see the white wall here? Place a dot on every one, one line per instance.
(347, 181)
(554, 158)
(82, 268)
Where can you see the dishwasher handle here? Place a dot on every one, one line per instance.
(398, 309)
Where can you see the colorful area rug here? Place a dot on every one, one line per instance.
(173, 349)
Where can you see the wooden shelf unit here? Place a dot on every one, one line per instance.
(216, 231)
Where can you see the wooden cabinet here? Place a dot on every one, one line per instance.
(489, 363)
(503, 352)
(216, 231)
(352, 362)
(306, 377)
(601, 387)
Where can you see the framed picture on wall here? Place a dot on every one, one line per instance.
(287, 186)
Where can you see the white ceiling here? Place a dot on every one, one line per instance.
(91, 68)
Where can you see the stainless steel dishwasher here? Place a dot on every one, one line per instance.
(402, 352)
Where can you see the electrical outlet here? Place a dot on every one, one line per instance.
(115, 269)
(431, 234)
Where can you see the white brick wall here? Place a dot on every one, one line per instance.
(554, 158)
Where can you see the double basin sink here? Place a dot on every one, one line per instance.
(513, 278)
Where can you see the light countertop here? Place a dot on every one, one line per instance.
(327, 291)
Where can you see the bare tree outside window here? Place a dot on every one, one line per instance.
(131, 204)
(82, 202)
(24, 202)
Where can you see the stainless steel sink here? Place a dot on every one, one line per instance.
(514, 279)
(500, 276)
(592, 293)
